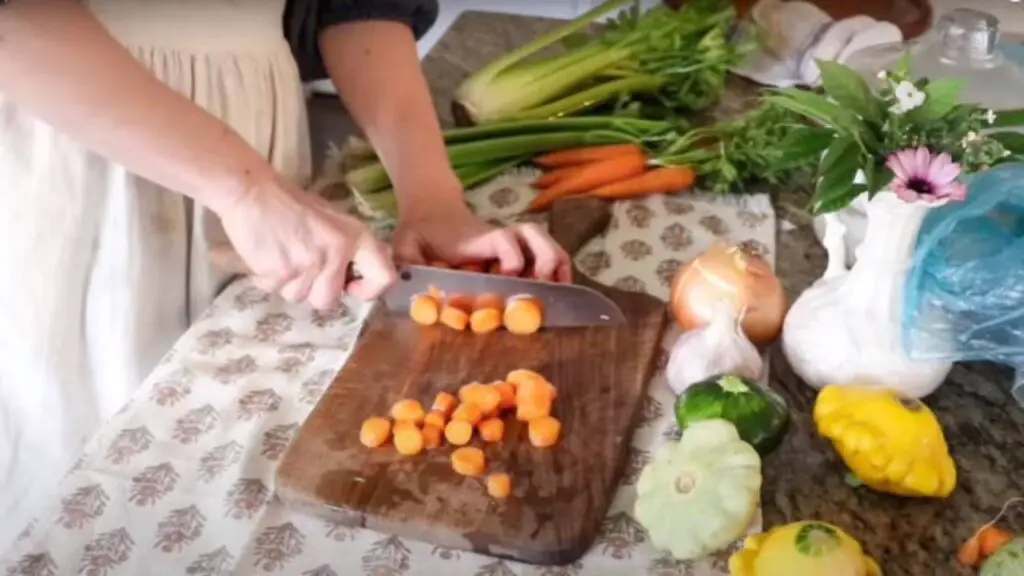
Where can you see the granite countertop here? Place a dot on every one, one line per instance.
(804, 479)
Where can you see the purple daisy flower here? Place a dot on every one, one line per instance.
(921, 176)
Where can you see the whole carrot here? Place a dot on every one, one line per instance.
(577, 156)
(658, 181)
(555, 176)
(589, 177)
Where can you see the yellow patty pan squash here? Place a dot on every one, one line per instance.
(892, 443)
(802, 549)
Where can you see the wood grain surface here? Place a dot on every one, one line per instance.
(560, 494)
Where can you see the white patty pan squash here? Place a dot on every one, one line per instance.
(699, 495)
(891, 442)
(802, 548)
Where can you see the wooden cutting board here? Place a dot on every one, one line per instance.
(560, 494)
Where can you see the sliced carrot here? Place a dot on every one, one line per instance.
(458, 432)
(499, 485)
(555, 176)
(424, 309)
(432, 436)
(590, 177)
(658, 181)
(437, 295)
(435, 418)
(969, 553)
(494, 268)
(991, 539)
(439, 264)
(408, 411)
(508, 394)
(473, 267)
(455, 312)
(532, 407)
(444, 403)
(374, 432)
(487, 313)
(467, 391)
(584, 155)
(491, 429)
(487, 398)
(468, 412)
(530, 379)
(544, 431)
(469, 461)
(408, 439)
(523, 315)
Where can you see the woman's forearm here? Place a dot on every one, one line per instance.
(377, 72)
(58, 63)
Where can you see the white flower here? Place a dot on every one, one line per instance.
(969, 138)
(907, 96)
(882, 74)
(990, 116)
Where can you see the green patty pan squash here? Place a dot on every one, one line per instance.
(892, 443)
(699, 495)
(760, 415)
(802, 549)
(1008, 560)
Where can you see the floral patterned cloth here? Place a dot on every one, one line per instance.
(181, 481)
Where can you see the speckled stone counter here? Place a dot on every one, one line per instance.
(804, 479)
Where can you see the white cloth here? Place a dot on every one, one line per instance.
(103, 270)
(182, 481)
(798, 34)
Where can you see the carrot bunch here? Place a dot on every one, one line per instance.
(614, 172)
(477, 409)
(521, 315)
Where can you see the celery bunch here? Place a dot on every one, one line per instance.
(679, 57)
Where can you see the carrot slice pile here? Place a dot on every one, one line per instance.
(474, 410)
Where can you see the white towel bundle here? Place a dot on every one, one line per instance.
(797, 34)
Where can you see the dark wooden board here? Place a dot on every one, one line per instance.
(560, 494)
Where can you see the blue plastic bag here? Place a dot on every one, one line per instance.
(964, 296)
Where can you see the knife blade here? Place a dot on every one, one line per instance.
(565, 305)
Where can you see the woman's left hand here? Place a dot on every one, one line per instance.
(453, 234)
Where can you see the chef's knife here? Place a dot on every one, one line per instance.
(565, 305)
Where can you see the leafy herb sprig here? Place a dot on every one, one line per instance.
(852, 128)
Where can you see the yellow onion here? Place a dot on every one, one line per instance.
(743, 281)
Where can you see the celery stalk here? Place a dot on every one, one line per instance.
(592, 97)
(372, 177)
(470, 90)
(687, 49)
(384, 203)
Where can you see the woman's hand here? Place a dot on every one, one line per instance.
(295, 244)
(453, 234)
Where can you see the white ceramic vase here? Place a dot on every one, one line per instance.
(845, 328)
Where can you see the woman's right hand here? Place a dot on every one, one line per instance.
(296, 245)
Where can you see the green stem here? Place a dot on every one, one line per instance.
(591, 97)
(578, 24)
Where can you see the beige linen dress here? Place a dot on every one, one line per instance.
(102, 270)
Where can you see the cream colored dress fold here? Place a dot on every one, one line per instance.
(103, 270)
